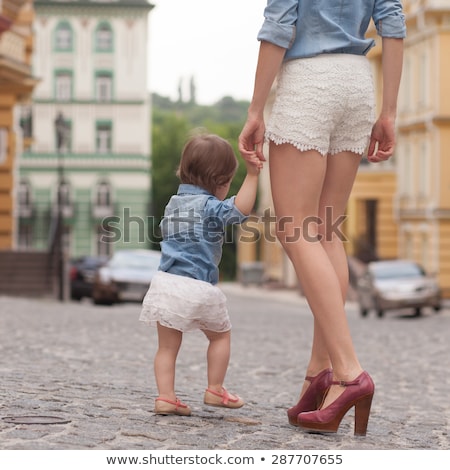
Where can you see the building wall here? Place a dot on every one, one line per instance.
(372, 185)
(7, 160)
(423, 198)
(124, 162)
(16, 85)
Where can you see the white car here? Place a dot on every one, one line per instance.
(125, 277)
(397, 284)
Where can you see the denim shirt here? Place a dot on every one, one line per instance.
(307, 28)
(193, 231)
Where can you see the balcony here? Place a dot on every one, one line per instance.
(9, 10)
(16, 39)
(12, 45)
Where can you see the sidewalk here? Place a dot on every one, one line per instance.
(91, 366)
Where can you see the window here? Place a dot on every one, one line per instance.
(103, 86)
(65, 140)
(424, 72)
(104, 247)
(24, 201)
(3, 144)
(102, 204)
(103, 196)
(25, 236)
(103, 38)
(26, 121)
(64, 194)
(104, 137)
(63, 86)
(63, 37)
(24, 194)
(423, 171)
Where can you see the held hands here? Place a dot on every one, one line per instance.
(251, 141)
(382, 140)
(253, 164)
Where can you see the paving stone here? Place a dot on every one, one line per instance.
(92, 365)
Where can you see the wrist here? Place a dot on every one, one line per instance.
(388, 115)
(255, 111)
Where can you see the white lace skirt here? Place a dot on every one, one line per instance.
(185, 304)
(324, 103)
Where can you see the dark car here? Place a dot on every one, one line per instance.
(82, 273)
(397, 284)
(126, 276)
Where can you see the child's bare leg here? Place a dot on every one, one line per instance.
(169, 342)
(218, 357)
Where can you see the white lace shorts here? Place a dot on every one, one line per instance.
(185, 304)
(324, 103)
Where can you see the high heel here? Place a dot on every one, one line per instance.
(313, 396)
(357, 393)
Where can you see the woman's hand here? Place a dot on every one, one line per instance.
(251, 140)
(382, 140)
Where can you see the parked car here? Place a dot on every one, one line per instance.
(82, 273)
(125, 277)
(397, 284)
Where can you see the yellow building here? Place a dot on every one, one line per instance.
(411, 192)
(422, 200)
(16, 86)
(399, 208)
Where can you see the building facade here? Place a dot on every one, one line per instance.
(16, 87)
(90, 118)
(422, 199)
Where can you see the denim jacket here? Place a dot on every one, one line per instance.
(311, 27)
(193, 231)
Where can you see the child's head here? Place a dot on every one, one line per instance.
(207, 161)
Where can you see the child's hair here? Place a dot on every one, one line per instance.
(207, 161)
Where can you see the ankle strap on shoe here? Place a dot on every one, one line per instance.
(344, 383)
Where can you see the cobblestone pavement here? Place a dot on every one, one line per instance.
(92, 366)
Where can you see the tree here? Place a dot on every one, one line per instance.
(172, 124)
(169, 136)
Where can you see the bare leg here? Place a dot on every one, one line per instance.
(218, 357)
(303, 184)
(169, 342)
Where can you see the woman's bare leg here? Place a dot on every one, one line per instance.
(302, 184)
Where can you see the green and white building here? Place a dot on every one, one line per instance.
(91, 57)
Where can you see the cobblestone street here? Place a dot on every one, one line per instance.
(92, 367)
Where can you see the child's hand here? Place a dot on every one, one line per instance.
(253, 164)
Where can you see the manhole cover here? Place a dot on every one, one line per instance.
(35, 420)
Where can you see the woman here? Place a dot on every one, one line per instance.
(321, 124)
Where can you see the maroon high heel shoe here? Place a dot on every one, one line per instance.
(313, 396)
(357, 393)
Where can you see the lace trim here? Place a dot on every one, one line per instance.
(324, 104)
(277, 140)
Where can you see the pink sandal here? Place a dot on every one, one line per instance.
(164, 406)
(223, 400)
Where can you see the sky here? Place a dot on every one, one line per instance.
(212, 41)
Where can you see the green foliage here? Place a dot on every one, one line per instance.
(171, 125)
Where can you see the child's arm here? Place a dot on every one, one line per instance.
(246, 196)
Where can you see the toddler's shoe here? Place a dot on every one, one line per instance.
(222, 399)
(169, 407)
